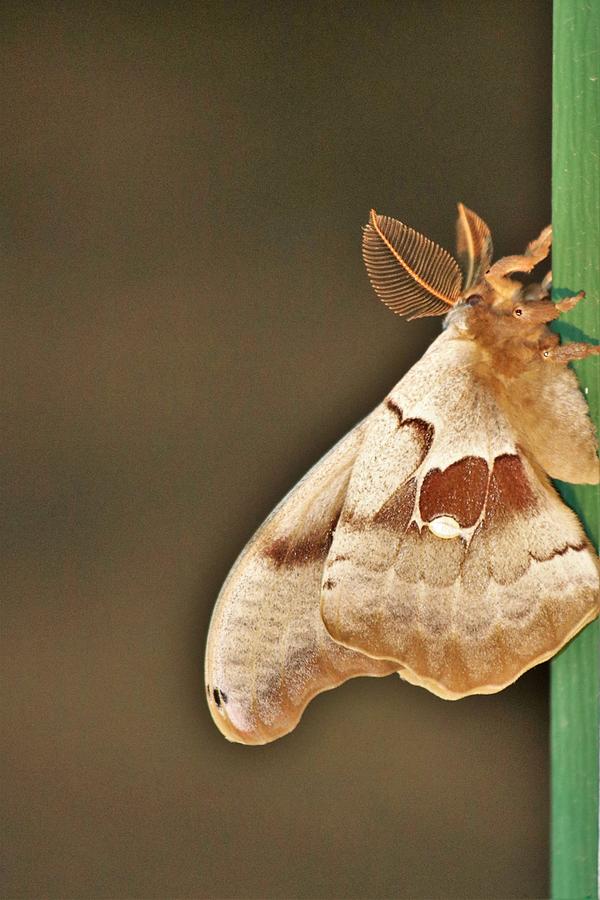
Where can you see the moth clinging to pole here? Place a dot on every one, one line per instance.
(429, 541)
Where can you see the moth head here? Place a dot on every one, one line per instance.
(506, 307)
(506, 317)
(415, 277)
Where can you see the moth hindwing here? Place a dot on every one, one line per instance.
(430, 540)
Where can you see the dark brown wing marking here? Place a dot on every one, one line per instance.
(425, 429)
(458, 491)
(509, 492)
(287, 551)
(577, 548)
(397, 512)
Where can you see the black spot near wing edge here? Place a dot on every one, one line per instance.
(217, 695)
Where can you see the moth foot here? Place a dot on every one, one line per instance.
(568, 303)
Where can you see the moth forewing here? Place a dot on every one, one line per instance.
(466, 613)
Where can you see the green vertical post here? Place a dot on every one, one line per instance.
(575, 673)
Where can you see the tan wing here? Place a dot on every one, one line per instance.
(268, 653)
(554, 423)
(453, 554)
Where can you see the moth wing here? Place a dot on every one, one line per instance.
(453, 554)
(555, 423)
(268, 653)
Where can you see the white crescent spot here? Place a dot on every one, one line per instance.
(444, 527)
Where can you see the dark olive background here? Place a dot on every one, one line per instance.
(188, 327)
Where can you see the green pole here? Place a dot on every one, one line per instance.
(575, 673)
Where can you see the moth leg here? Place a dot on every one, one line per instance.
(552, 350)
(565, 353)
(568, 303)
(535, 252)
(544, 310)
(547, 281)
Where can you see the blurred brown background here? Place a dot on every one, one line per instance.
(188, 327)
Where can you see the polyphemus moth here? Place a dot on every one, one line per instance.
(429, 541)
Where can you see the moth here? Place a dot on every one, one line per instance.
(429, 541)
